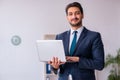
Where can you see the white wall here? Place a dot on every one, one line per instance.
(31, 19)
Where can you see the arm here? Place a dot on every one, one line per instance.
(97, 60)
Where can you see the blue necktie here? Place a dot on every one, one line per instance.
(73, 44)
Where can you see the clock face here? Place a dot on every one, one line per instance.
(16, 40)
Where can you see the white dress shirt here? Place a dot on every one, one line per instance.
(79, 30)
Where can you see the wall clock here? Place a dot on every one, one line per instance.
(15, 40)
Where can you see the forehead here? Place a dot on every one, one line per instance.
(73, 9)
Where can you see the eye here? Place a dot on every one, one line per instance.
(77, 13)
(70, 14)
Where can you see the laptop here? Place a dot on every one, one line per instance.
(47, 49)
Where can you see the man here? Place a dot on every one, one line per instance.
(86, 55)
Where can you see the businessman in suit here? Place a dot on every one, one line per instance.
(87, 52)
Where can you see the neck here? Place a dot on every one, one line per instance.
(76, 27)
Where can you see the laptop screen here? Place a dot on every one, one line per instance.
(47, 49)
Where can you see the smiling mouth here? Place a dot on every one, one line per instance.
(75, 19)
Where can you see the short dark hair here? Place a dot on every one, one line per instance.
(74, 4)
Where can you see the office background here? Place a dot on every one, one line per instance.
(30, 20)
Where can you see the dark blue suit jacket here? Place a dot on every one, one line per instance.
(90, 51)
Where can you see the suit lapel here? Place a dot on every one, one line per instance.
(66, 43)
(82, 36)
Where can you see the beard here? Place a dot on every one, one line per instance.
(77, 24)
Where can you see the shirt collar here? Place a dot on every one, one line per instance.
(79, 30)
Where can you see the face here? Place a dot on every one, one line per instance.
(74, 17)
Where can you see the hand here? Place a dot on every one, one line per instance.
(55, 62)
(72, 59)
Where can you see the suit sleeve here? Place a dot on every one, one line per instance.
(97, 60)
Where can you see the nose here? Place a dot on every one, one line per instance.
(74, 15)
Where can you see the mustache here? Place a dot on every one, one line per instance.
(74, 19)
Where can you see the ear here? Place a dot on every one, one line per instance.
(82, 15)
(67, 17)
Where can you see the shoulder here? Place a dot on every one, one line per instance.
(63, 34)
(91, 34)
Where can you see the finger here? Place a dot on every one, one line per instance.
(68, 58)
(53, 59)
(49, 62)
(56, 60)
(62, 63)
(59, 62)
